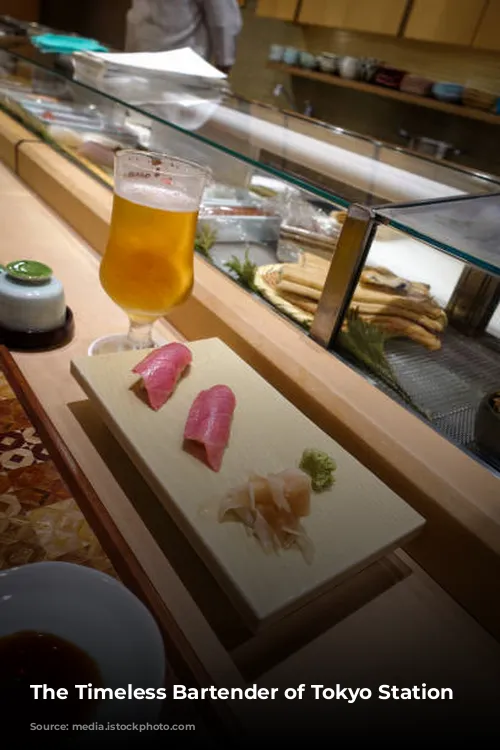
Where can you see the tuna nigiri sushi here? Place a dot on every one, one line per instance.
(161, 370)
(209, 422)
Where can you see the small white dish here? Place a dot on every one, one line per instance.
(97, 614)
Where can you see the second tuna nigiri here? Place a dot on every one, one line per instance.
(161, 370)
(209, 422)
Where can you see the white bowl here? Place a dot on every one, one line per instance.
(97, 614)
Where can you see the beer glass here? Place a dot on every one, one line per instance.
(147, 267)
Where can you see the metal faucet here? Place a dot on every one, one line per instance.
(280, 90)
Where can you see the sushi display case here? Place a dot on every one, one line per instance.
(412, 298)
(405, 292)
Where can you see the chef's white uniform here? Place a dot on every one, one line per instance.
(209, 27)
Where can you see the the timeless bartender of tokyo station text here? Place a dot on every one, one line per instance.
(253, 692)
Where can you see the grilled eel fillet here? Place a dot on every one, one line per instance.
(421, 309)
(399, 307)
(392, 325)
(314, 272)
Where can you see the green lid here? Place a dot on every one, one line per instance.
(29, 270)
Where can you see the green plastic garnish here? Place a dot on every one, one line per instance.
(206, 238)
(244, 271)
(365, 342)
(320, 467)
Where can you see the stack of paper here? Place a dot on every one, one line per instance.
(182, 65)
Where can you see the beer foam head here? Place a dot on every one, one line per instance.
(157, 195)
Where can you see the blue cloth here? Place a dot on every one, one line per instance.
(66, 45)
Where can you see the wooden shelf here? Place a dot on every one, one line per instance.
(370, 88)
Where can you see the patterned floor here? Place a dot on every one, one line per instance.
(39, 520)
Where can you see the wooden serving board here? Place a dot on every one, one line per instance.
(356, 522)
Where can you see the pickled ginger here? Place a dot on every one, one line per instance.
(270, 508)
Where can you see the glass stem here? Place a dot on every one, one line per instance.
(140, 334)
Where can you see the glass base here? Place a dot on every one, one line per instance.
(118, 342)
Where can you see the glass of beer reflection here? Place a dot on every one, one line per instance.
(147, 267)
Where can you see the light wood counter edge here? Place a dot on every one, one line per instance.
(11, 134)
(459, 497)
(77, 197)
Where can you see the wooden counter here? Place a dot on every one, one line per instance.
(413, 627)
(458, 496)
(11, 135)
(412, 631)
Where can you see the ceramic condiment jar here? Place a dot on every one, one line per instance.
(31, 299)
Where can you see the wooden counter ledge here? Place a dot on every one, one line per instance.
(457, 495)
(406, 621)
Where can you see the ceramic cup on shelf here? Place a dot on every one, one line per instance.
(389, 77)
(291, 56)
(369, 67)
(350, 67)
(307, 60)
(418, 85)
(276, 52)
(478, 99)
(448, 92)
(328, 62)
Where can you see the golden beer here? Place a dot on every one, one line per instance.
(148, 265)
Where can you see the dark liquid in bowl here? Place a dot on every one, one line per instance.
(31, 658)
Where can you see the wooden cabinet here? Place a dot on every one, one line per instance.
(284, 9)
(446, 21)
(24, 10)
(323, 12)
(375, 16)
(488, 32)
